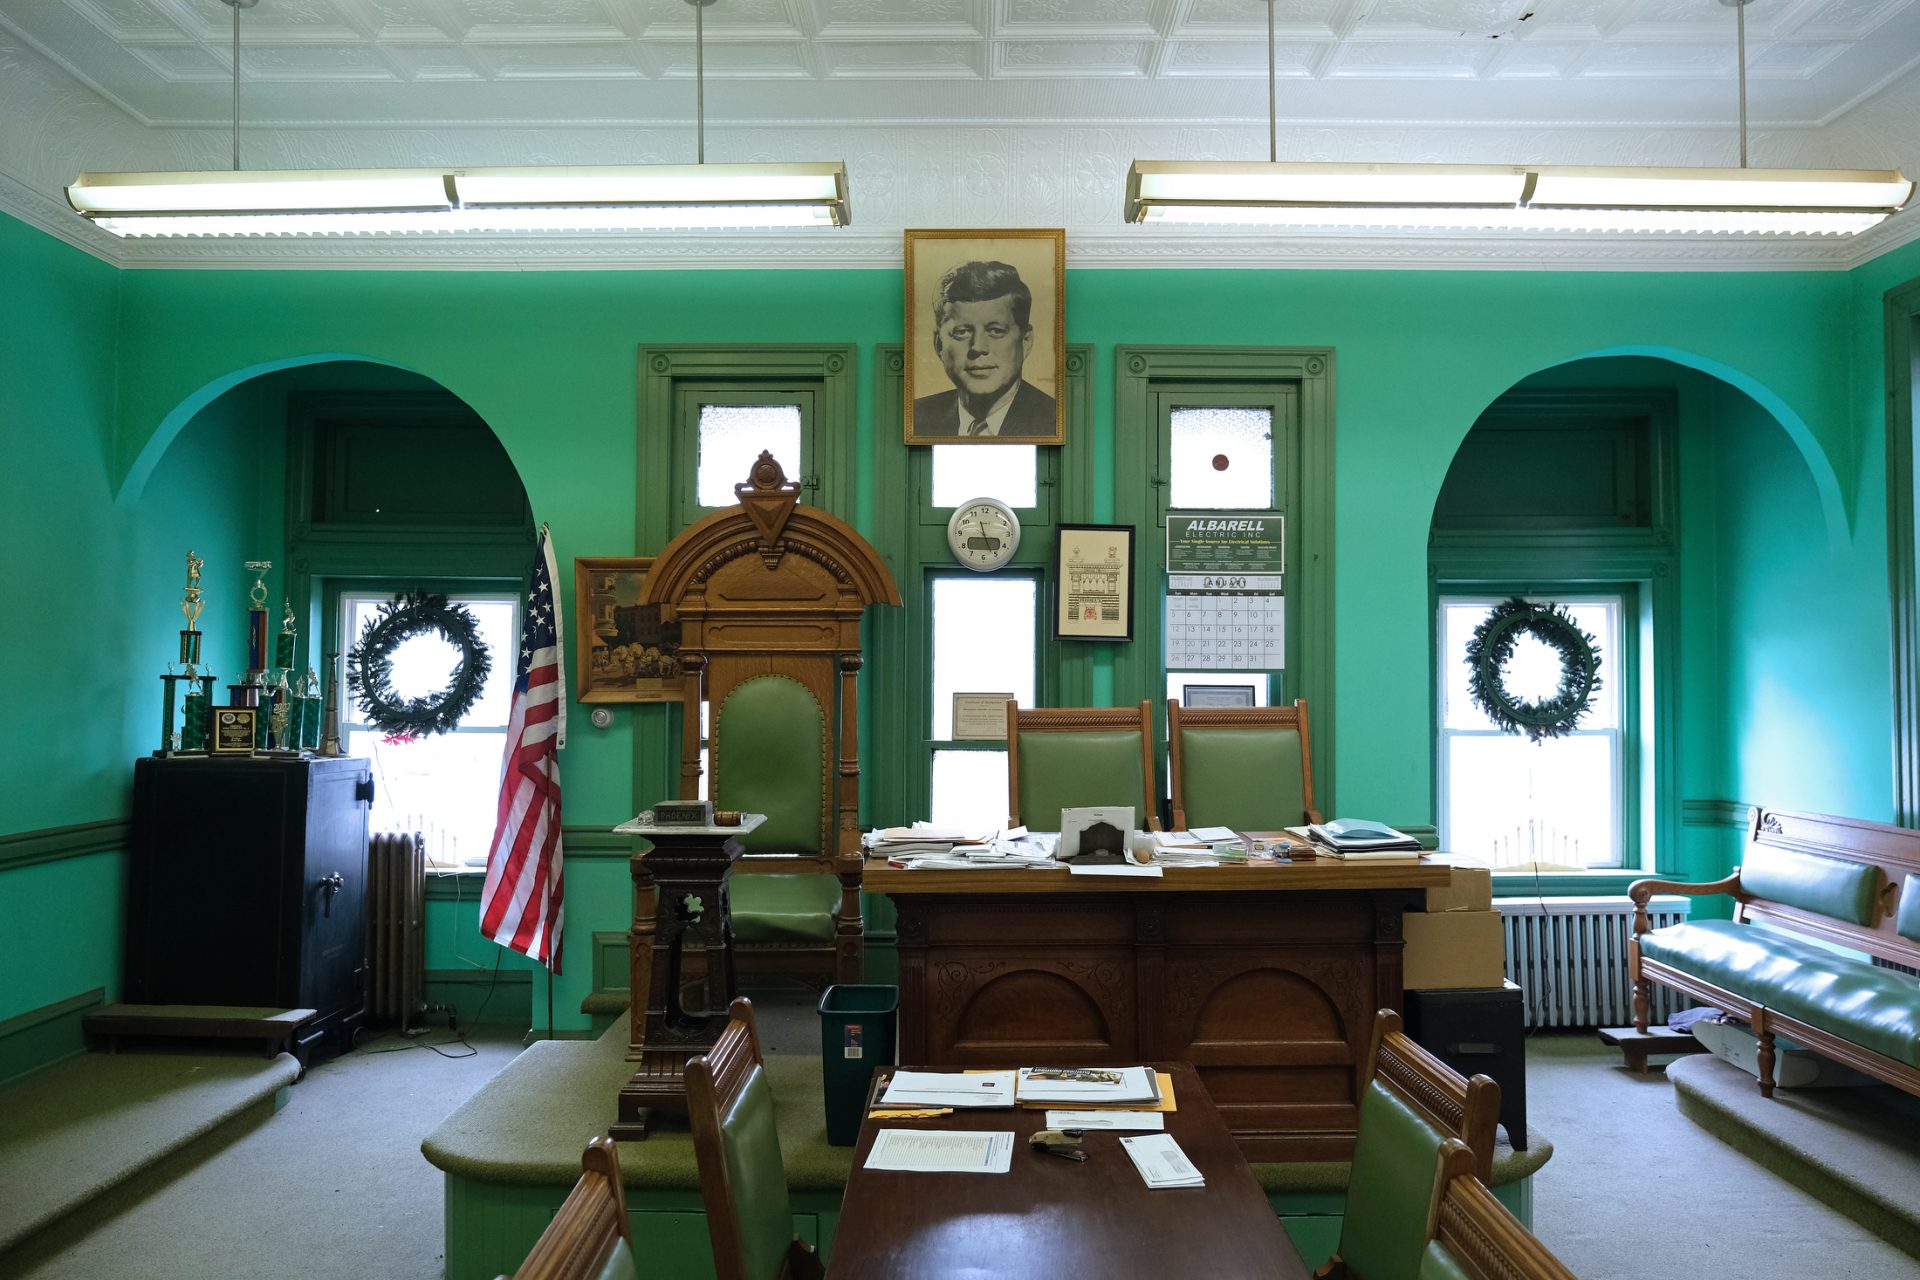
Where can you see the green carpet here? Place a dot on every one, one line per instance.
(78, 1128)
(1854, 1150)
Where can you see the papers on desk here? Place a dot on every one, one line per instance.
(1161, 1161)
(941, 1151)
(935, 848)
(1084, 1086)
(1146, 1121)
(949, 1089)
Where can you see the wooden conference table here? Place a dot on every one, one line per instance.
(1048, 1217)
(1264, 977)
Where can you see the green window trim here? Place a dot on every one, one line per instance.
(1296, 382)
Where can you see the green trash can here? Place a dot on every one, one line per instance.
(857, 1031)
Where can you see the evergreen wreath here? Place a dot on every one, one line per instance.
(1492, 646)
(370, 664)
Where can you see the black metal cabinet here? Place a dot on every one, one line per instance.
(247, 886)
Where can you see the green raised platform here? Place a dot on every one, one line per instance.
(512, 1151)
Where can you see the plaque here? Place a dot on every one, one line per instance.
(684, 813)
(233, 730)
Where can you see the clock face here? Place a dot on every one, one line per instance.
(983, 534)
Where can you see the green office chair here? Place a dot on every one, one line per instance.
(742, 1177)
(1479, 1240)
(1079, 757)
(1421, 1123)
(1247, 768)
(590, 1237)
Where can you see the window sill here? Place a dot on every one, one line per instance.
(454, 884)
(1529, 884)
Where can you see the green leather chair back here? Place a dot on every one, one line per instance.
(1828, 886)
(1437, 1264)
(1078, 769)
(1907, 922)
(1390, 1191)
(758, 1177)
(768, 741)
(1247, 779)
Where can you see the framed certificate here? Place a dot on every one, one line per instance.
(980, 717)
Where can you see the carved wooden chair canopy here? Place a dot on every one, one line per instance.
(769, 596)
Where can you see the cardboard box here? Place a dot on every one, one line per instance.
(1470, 889)
(1448, 949)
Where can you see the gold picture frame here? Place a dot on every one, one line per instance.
(986, 337)
(623, 651)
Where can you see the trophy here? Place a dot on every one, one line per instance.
(191, 731)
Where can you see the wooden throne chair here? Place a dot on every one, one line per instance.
(769, 595)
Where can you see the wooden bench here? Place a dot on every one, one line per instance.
(1814, 881)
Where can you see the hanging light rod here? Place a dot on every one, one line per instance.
(266, 202)
(1512, 197)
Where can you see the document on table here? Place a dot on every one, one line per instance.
(1161, 1161)
(1143, 1120)
(941, 1151)
(1114, 869)
(950, 1089)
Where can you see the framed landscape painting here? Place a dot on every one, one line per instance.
(624, 652)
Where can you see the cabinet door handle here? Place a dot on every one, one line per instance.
(363, 790)
(330, 885)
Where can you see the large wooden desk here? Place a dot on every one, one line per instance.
(1049, 1217)
(1265, 978)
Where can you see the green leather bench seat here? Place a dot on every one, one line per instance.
(1247, 779)
(784, 908)
(1874, 1007)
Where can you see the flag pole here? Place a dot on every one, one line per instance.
(549, 1002)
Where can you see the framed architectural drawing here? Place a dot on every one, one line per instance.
(1093, 582)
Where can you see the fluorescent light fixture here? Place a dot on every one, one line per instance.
(1519, 198)
(386, 201)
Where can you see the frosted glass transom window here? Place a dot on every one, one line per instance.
(731, 438)
(1009, 472)
(1221, 457)
(983, 642)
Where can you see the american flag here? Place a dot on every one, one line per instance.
(521, 905)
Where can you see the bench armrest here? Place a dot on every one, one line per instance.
(1641, 890)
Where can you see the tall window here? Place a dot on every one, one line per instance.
(729, 437)
(1556, 805)
(447, 786)
(984, 633)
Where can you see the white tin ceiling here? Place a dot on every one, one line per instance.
(953, 112)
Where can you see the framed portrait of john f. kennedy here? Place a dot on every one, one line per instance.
(986, 337)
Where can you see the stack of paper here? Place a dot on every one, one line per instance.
(1353, 838)
(949, 1089)
(924, 845)
(1161, 1161)
(1086, 1086)
(941, 1151)
(1146, 1121)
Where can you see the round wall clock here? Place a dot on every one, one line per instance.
(983, 534)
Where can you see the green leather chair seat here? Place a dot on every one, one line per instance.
(1829, 886)
(1395, 1161)
(759, 1177)
(1437, 1264)
(1246, 779)
(1870, 1006)
(784, 908)
(1078, 770)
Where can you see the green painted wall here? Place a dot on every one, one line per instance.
(548, 360)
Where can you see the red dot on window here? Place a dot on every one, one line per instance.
(1219, 462)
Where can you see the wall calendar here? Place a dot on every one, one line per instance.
(1225, 601)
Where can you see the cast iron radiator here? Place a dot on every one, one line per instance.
(396, 929)
(1569, 958)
